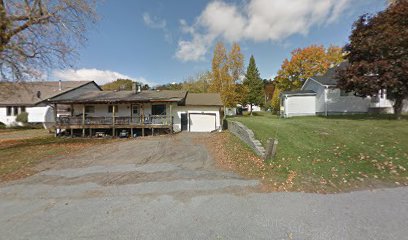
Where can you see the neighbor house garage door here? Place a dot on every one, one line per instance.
(202, 122)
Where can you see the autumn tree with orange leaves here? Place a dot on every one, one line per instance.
(306, 63)
(226, 71)
(303, 64)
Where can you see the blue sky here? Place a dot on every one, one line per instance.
(167, 41)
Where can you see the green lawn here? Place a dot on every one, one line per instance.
(336, 153)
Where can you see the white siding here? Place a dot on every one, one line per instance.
(300, 106)
(337, 104)
(319, 90)
(7, 120)
(101, 110)
(346, 104)
(37, 114)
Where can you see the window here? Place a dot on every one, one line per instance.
(89, 109)
(8, 111)
(135, 109)
(159, 109)
(22, 109)
(15, 111)
(110, 108)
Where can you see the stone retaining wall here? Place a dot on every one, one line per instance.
(246, 135)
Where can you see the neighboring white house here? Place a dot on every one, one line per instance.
(298, 103)
(139, 112)
(231, 111)
(32, 97)
(330, 100)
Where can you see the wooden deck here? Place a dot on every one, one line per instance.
(152, 122)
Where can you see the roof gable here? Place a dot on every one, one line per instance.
(329, 78)
(32, 93)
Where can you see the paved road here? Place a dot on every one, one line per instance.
(169, 188)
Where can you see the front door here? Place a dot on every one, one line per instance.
(184, 122)
(135, 113)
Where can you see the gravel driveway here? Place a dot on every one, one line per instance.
(169, 188)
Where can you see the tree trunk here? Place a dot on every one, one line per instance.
(251, 109)
(398, 107)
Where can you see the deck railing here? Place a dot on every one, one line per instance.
(117, 121)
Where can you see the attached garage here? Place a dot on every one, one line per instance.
(200, 113)
(298, 103)
(201, 122)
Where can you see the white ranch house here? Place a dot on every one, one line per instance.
(84, 109)
(32, 97)
(138, 112)
(320, 95)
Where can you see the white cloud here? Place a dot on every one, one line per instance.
(91, 74)
(153, 22)
(255, 20)
(157, 23)
(195, 49)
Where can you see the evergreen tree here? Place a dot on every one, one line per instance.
(254, 84)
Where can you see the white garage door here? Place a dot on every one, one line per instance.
(202, 123)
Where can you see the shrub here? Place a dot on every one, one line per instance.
(22, 117)
(276, 100)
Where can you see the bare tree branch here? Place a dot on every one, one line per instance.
(37, 35)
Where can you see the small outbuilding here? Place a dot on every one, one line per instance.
(298, 103)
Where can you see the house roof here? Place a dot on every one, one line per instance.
(32, 93)
(204, 99)
(329, 78)
(299, 93)
(123, 97)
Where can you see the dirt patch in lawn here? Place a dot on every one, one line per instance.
(18, 134)
(19, 157)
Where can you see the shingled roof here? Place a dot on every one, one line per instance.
(123, 97)
(33, 93)
(204, 99)
(329, 78)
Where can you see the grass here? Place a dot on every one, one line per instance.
(18, 157)
(336, 153)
